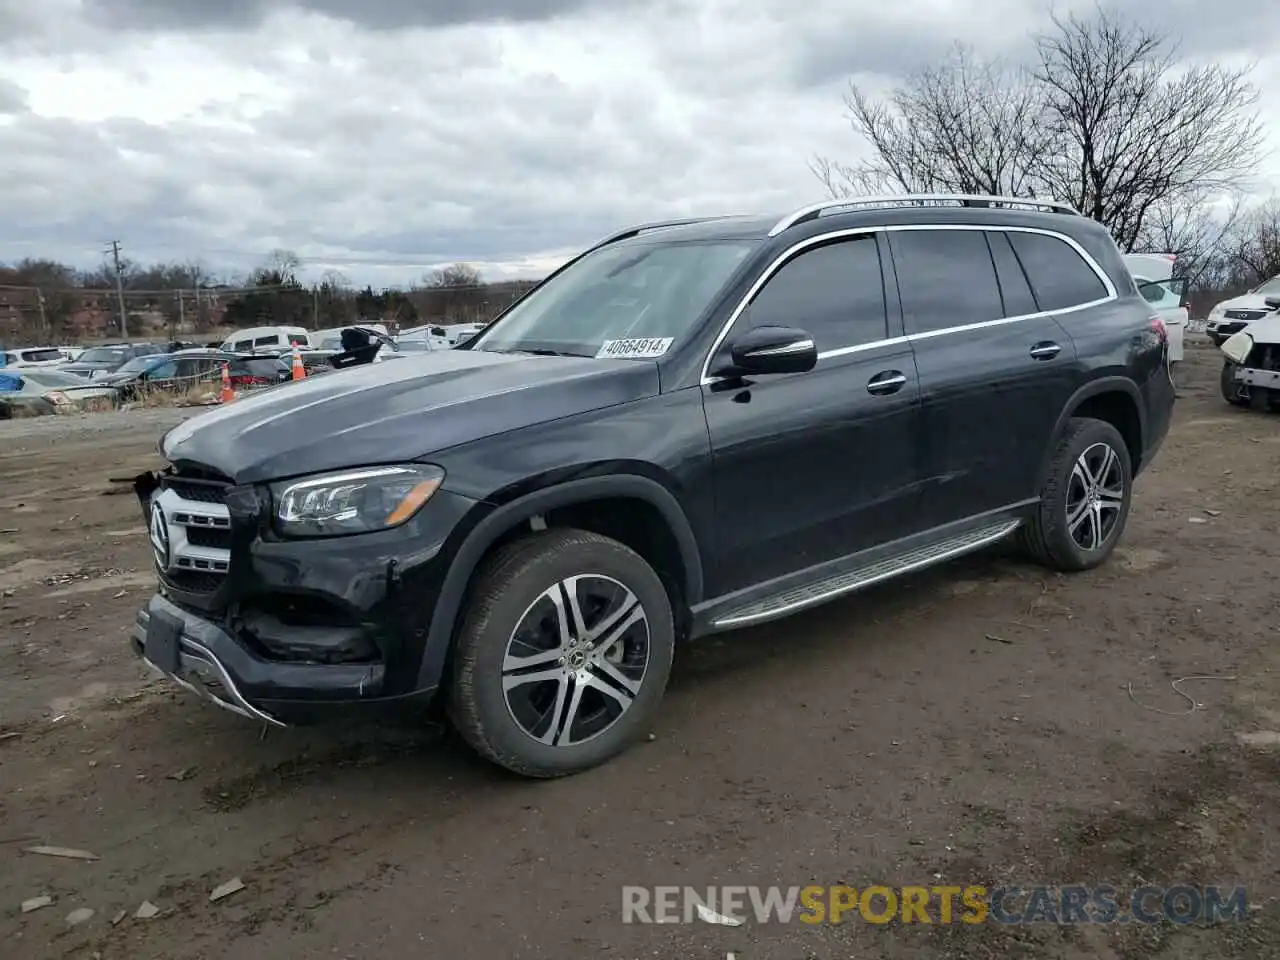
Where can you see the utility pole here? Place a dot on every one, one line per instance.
(44, 320)
(182, 317)
(124, 322)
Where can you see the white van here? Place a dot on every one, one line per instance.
(267, 339)
(1154, 274)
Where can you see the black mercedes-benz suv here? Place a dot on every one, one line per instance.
(691, 427)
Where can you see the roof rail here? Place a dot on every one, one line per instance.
(814, 210)
(657, 225)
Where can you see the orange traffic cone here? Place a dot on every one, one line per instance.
(299, 371)
(227, 393)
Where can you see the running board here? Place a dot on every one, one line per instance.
(837, 585)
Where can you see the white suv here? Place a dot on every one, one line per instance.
(1231, 316)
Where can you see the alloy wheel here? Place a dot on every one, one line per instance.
(576, 660)
(1095, 496)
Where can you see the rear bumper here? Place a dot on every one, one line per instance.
(211, 663)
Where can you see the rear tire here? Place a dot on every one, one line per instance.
(1084, 503)
(563, 655)
(1230, 389)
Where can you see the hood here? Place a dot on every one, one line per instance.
(395, 412)
(1247, 301)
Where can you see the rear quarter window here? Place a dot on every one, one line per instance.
(1059, 276)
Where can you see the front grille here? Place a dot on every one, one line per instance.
(192, 547)
(1247, 315)
(220, 539)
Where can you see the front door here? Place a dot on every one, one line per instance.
(811, 467)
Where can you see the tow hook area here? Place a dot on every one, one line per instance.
(144, 485)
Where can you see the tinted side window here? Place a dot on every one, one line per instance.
(835, 293)
(242, 345)
(270, 341)
(945, 279)
(1058, 276)
(1014, 289)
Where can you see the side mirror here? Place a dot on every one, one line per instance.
(1272, 302)
(764, 350)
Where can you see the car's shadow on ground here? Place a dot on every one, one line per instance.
(422, 761)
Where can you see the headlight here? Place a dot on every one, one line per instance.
(353, 501)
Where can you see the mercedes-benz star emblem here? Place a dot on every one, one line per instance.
(159, 536)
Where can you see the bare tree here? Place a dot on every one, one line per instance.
(964, 126)
(1195, 230)
(1253, 246)
(455, 276)
(1109, 120)
(283, 264)
(1135, 127)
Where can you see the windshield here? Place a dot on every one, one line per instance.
(102, 355)
(627, 291)
(1269, 288)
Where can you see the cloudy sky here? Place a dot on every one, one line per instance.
(380, 137)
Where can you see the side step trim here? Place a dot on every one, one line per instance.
(837, 585)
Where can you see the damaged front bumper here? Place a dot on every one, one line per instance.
(205, 659)
(292, 631)
(1255, 377)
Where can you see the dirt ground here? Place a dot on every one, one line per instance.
(971, 725)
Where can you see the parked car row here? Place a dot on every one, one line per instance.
(47, 390)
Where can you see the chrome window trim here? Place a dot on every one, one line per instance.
(791, 251)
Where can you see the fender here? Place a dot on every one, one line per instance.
(502, 519)
(1092, 389)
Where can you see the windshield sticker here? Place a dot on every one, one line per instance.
(645, 348)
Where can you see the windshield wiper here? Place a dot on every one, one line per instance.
(542, 352)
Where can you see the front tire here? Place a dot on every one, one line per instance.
(1231, 389)
(1084, 503)
(563, 655)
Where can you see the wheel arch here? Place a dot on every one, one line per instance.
(562, 502)
(1114, 400)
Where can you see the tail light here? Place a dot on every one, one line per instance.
(1161, 331)
(249, 381)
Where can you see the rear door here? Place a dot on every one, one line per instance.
(995, 370)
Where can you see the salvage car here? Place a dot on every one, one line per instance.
(184, 370)
(108, 358)
(1166, 293)
(1251, 368)
(691, 427)
(1231, 316)
(43, 391)
(31, 357)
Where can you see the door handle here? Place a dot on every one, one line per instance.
(890, 381)
(1046, 350)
